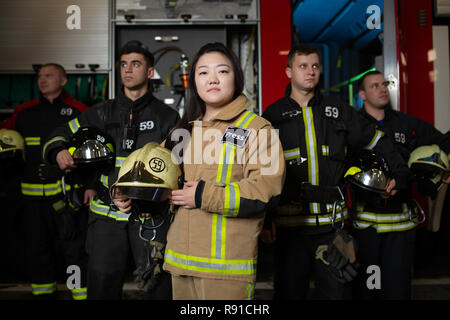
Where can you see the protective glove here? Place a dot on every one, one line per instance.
(339, 255)
(147, 274)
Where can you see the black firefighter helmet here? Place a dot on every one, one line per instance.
(369, 170)
(91, 145)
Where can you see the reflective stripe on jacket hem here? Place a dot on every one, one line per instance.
(210, 265)
(45, 288)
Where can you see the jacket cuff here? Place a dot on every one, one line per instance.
(199, 193)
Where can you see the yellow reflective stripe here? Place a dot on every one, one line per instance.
(104, 180)
(250, 291)
(49, 189)
(291, 154)
(377, 136)
(102, 209)
(232, 199)
(210, 265)
(325, 150)
(308, 220)
(45, 288)
(119, 161)
(311, 149)
(59, 205)
(74, 125)
(32, 141)
(214, 235)
(380, 227)
(221, 163)
(79, 294)
(58, 138)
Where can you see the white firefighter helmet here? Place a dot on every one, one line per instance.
(11, 143)
(147, 174)
(428, 163)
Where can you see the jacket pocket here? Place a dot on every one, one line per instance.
(336, 139)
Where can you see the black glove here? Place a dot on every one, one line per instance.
(339, 255)
(148, 273)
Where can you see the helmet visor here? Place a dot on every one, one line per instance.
(91, 151)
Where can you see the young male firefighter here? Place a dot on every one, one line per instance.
(385, 228)
(316, 132)
(133, 119)
(42, 188)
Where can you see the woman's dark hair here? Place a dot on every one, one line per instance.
(195, 106)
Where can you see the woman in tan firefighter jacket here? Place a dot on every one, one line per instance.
(234, 168)
(316, 132)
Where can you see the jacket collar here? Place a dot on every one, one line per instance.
(142, 102)
(313, 101)
(231, 110)
(58, 100)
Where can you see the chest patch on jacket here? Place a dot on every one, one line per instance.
(235, 135)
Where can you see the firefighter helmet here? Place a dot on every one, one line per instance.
(11, 144)
(91, 145)
(428, 163)
(369, 171)
(148, 174)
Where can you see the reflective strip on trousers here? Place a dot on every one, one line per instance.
(308, 220)
(102, 209)
(79, 294)
(250, 291)
(211, 265)
(45, 288)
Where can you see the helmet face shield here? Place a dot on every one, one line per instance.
(91, 151)
(89, 145)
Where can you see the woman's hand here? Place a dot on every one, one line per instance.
(185, 197)
(390, 191)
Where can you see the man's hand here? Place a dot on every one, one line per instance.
(65, 161)
(88, 196)
(185, 197)
(389, 190)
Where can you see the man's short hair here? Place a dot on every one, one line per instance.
(361, 80)
(57, 66)
(135, 46)
(302, 49)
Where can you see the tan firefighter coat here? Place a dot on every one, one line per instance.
(240, 159)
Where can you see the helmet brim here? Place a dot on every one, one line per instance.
(144, 193)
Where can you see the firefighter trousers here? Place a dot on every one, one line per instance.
(108, 245)
(196, 288)
(389, 254)
(295, 265)
(45, 246)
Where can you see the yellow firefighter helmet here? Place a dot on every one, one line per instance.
(148, 174)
